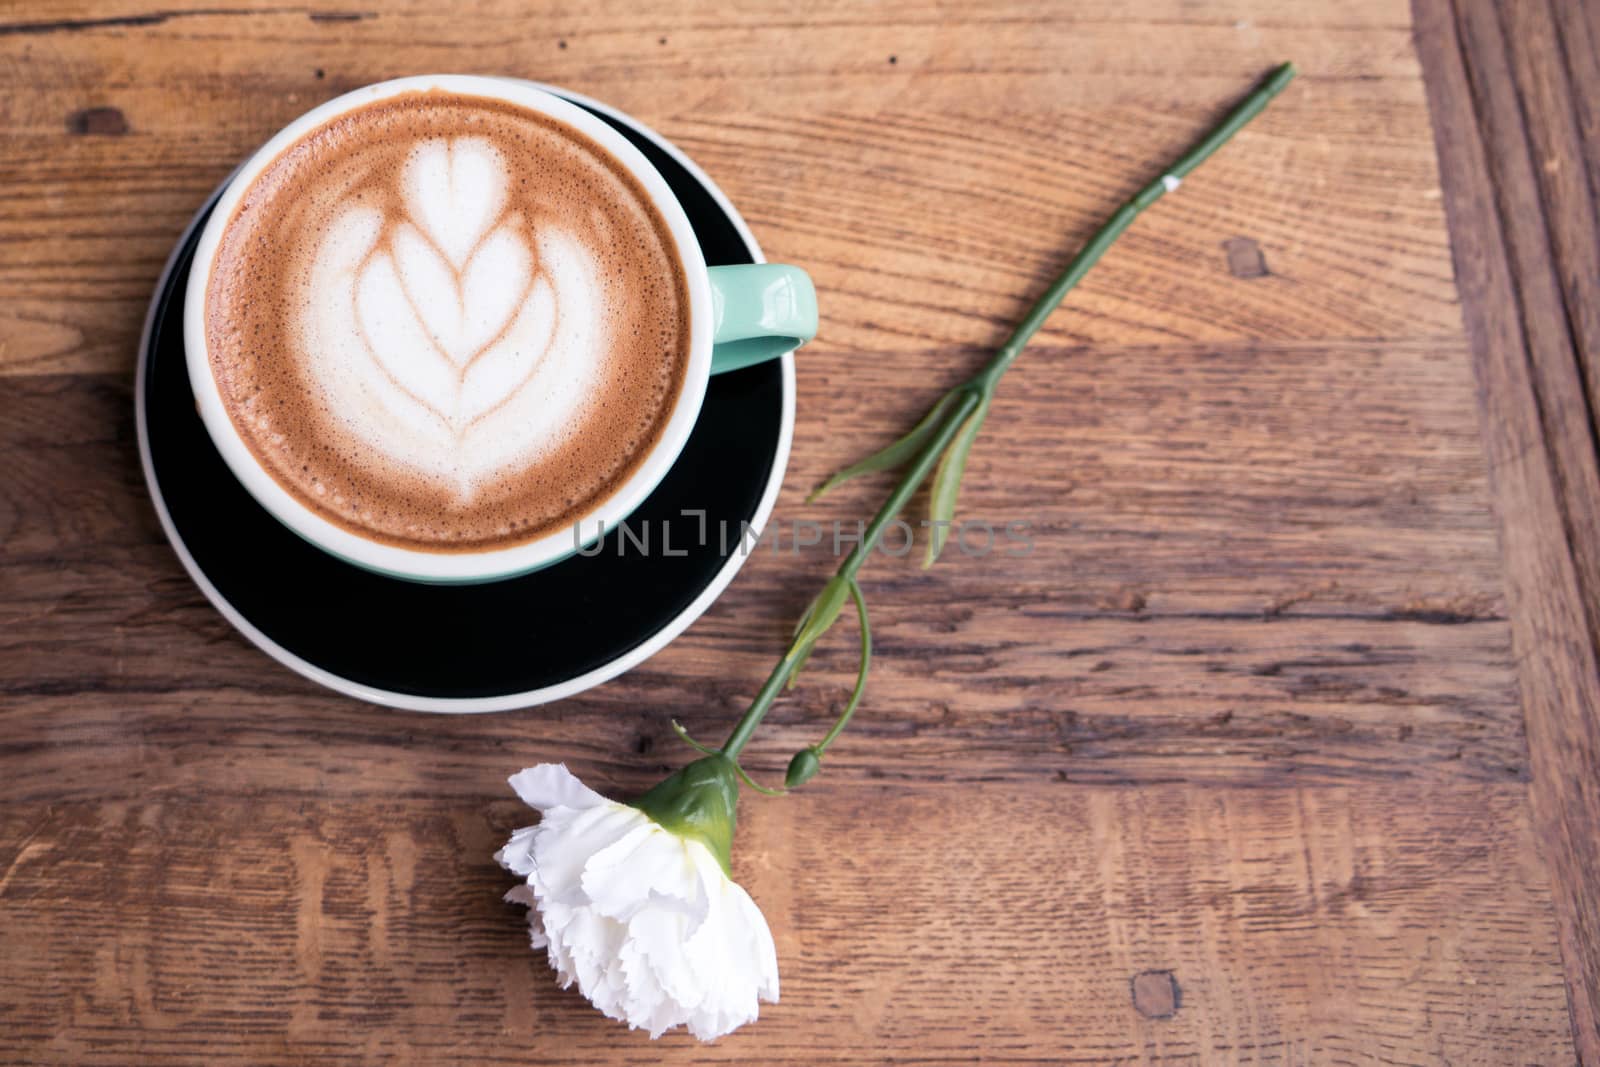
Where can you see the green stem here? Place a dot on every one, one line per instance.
(971, 393)
(1123, 217)
(861, 672)
(870, 537)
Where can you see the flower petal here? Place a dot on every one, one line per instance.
(517, 855)
(649, 867)
(766, 951)
(567, 840)
(551, 785)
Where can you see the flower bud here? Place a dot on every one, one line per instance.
(802, 768)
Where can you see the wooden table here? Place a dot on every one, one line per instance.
(1281, 746)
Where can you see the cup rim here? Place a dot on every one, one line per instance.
(458, 566)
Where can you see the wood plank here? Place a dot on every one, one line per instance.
(1556, 64)
(1539, 438)
(970, 165)
(1182, 701)
(1554, 249)
(1344, 479)
(1159, 925)
(1231, 556)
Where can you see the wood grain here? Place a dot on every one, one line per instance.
(1496, 102)
(969, 165)
(1278, 746)
(1258, 626)
(1297, 925)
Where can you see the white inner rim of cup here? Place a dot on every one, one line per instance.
(451, 566)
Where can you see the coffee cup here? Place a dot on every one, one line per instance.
(453, 419)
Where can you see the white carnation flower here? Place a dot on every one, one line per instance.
(635, 902)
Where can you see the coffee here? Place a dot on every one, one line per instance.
(447, 322)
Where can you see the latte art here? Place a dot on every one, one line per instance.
(447, 322)
(455, 338)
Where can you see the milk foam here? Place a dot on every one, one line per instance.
(456, 339)
(447, 322)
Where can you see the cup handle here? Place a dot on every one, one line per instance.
(759, 311)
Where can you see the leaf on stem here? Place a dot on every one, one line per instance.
(677, 728)
(947, 483)
(894, 455)
(822, 614)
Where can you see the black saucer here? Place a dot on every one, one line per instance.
(506, 644)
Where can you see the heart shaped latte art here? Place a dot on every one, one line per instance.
(454, 336)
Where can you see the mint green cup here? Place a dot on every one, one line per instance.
(738, 316)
